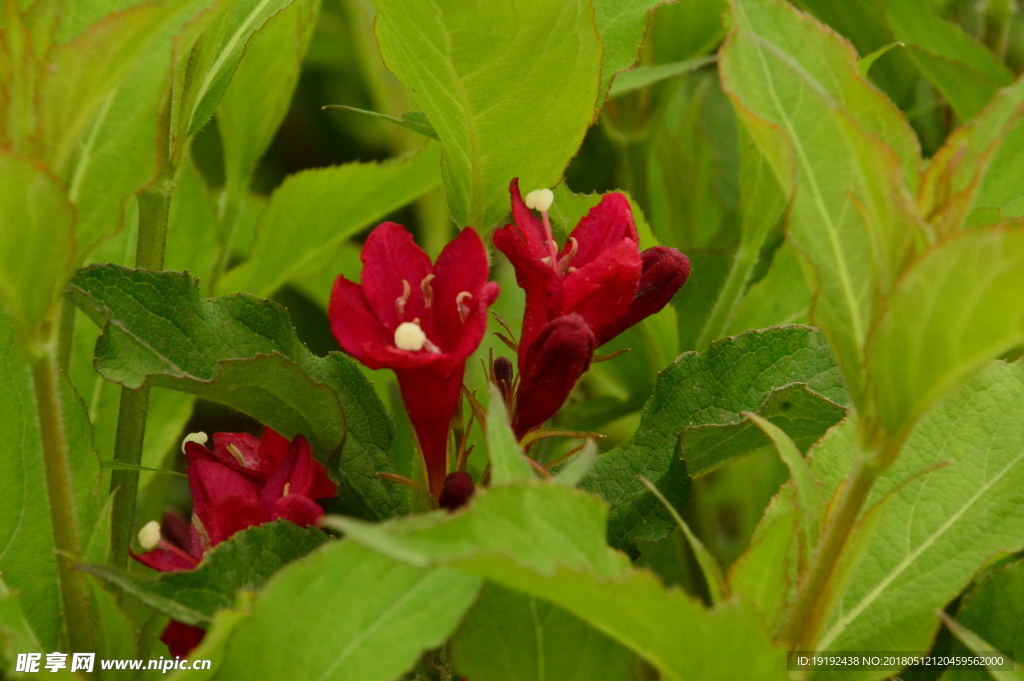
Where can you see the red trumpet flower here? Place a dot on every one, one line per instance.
(579, 297)
(422, 321)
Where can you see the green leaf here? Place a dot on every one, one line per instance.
(508, 462)
(573, 472)
(192, 244)
(864, 64)
(243, 352)
(346, 614)
(510, 90)
(245, 561)
(412, 120)
(36, 241)
(734, 375)
(938, 529)
(315, 211)
(993, 610)
(981, 648)
(213, 61)
(27, 554)
(16, 635)
(257, 97)
(116, 154)
(553, 548)
(218, 635)
(809, 497)
(765, 572)
(640, 77)
(97, 549)
(780, 298)
(622, 27)
(966, 73)
(850, 151)
(957, 308)
(507, 635)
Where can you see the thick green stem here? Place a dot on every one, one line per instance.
(729, 296)
(154, 204)
(800, 628)
(73, 587)
(65, 332)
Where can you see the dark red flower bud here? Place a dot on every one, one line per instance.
(664, 272)
(550, 367)
(456, 492)
(181, 639)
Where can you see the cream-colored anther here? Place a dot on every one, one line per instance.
(287, 489)
(462, 302)
(238, 456)
(409, 336)
(149, 535)
(539, 199)
(200, 438)
(428, 291)
(401, 301)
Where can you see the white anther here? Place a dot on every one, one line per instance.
(463, 305)
(539, 199)
(200, 438)
(287, 489)
(428, 292)
(400, 302)
(149, 535)
(409, 336)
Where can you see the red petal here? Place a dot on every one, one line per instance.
(461, 268)
(300, 510)
(245, 444)
(274, 448)
(390, 256)
(557, 358)
(224, 501)
(603, 290)
(181, 638)
(303, 475)
(542, 286)
(354, 324)
(531, 229)
(603, 228)
(665, 270)
(430, 401)
(163, 560)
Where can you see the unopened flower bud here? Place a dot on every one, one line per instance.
(149, 535)
(539, 199)
(409, 336)
(200, 438)
(456, 492)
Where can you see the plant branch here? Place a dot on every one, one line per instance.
(729, 296)
(73, 587)
(154, 204)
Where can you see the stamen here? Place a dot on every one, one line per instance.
(428, 292)
(400, 302)
(149, 535)
(287, 489)
(204, 537)
(238, 456)
(567, 258)
(541, 200)
(199, 438)
(460, 302)
(409, 336)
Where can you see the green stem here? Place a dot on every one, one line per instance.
(65, 333)
(729, 297)
(803, 621)
(73, 587)
(154, 204)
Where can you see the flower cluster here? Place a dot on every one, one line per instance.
(242, 481)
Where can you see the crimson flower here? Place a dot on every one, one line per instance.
(241, 482)
(421, 320)
(579, 297)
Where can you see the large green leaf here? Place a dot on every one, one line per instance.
(315, 211)
(993, 609)
(241, 351)
(118, 150)
(509, 88)
(257, 97)
(622, 25)
(552, 547)
(965, 72)
(507, 636)
(346, 613)
(780, 298)
(940, 528)
(958, 307)
(245, 561)
(797, 88)
(36, 240)
(508, 462)
(734, 375)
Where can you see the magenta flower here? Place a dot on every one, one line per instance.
(422, 321)
(241, 482)
(579, 297)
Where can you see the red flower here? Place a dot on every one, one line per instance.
(422, 321)
(243, 481)
(599, 280)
